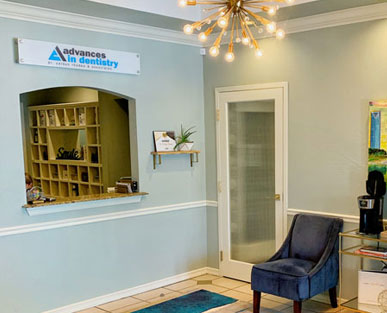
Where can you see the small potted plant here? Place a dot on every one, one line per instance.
(183, 140)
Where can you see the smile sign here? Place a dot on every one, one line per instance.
(43, 53)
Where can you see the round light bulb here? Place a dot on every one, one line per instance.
(182, 3)
(202, 37)
(245, 40)
(238, 40)
(280, 34)
(214, 51)
(229, 57)
(188, 29)
(289, 1)
(271, 27)
(222, 22)
(272, 11)
(258, 53)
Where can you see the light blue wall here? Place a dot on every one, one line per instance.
(168, 93)
(49, 269)
(212, 237)
(333, 73)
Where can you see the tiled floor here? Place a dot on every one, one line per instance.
(228, 287)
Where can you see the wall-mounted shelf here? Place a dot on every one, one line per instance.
(191, 154)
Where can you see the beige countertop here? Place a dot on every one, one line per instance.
(68, 200)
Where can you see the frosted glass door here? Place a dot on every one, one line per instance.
(251, 155)
(251, 133)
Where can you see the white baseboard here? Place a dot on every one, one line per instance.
(213, 271)
(132, 291)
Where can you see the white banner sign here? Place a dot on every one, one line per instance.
(43, 53)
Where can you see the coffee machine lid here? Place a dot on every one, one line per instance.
(376, 186)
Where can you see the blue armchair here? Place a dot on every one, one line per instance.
(307, 263)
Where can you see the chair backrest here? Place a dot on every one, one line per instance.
(311, 234)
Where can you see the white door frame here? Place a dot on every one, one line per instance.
(222, 186)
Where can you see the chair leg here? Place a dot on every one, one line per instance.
(333, 297)
(297, 305)
(257, 301)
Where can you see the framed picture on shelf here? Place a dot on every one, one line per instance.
(164, 140)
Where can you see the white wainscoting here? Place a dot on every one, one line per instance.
(15, 230)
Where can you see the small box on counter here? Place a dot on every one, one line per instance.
(123, 187)
(126, 185)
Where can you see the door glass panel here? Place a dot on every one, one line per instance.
(252, 177)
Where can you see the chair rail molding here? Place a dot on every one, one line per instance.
(80, 21)
(28, 228)
(353, 219)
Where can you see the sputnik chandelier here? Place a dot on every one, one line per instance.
(244, 20)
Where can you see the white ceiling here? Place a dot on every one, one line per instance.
(165, 7)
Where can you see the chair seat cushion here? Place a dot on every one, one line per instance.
(290, 266)
(284, 277)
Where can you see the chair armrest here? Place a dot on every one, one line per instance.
(331, 248)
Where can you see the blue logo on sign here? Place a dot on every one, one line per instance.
(54, 56)
(57, 55)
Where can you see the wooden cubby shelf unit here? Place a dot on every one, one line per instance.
(191, 154)
(71, 126)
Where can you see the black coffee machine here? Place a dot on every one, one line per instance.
(371, 205)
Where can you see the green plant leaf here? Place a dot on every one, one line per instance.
(184, 135)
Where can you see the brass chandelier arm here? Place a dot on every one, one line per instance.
(245, 26)
(219, 38)
(259, 1)
(242, 22)
(213, 2)
(253, 40)
(260, 19)
(213, 8)
(203, 21)
(227, 14)
(237, 25)
(263, 8)
(232, 29)
(210, 29)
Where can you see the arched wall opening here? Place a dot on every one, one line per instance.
(78, 141)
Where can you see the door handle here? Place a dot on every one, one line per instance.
(277, 196)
